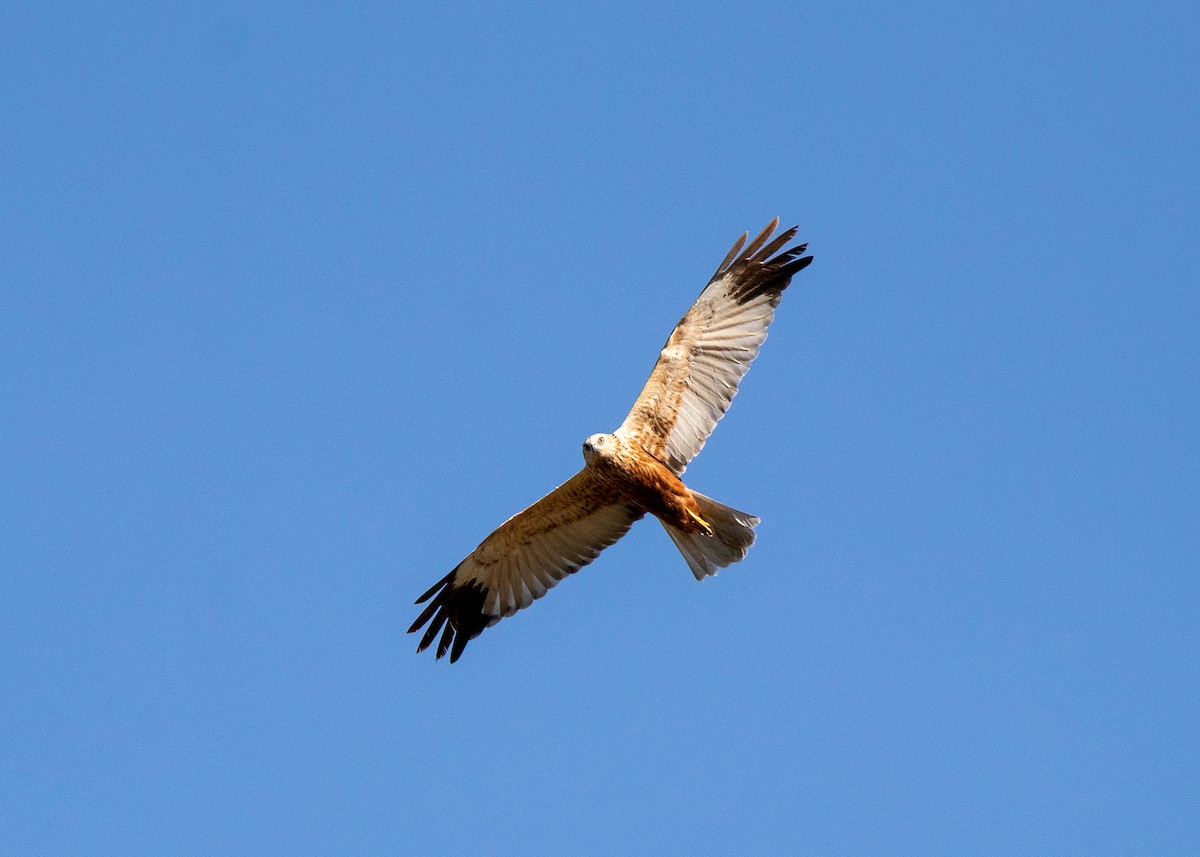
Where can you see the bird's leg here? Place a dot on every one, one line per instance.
(705, 527)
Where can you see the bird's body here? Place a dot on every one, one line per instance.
(637, 469)
(642, 480)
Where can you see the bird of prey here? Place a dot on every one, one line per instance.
(636, 469)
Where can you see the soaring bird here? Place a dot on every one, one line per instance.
(636, 469)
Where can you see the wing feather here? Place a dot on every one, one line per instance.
(710, 350)
(522, 560)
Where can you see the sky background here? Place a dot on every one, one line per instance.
(301, 301)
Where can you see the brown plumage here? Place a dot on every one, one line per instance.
(636, 470)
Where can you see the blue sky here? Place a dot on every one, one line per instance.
(301, 301)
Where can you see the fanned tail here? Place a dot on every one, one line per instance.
(733, 533)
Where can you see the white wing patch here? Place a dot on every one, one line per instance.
(710, 350)
(730, 336)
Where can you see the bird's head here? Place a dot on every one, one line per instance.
(597, 447)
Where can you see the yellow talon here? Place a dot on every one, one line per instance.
(703, 524)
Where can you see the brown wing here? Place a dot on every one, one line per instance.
(698, 370)
(522, 560)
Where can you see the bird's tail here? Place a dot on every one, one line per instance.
(733, 533)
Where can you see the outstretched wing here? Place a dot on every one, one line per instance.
(519, 563)
(708, 353)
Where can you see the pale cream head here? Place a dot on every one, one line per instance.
(598, 446)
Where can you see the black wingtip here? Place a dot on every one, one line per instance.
(764, 267)
(731, 255)
(761, 239)
(792, 268)
(456, 611)
(437, 586)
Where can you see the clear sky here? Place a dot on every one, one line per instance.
(300, 301)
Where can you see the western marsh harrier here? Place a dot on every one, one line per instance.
(635, 469)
